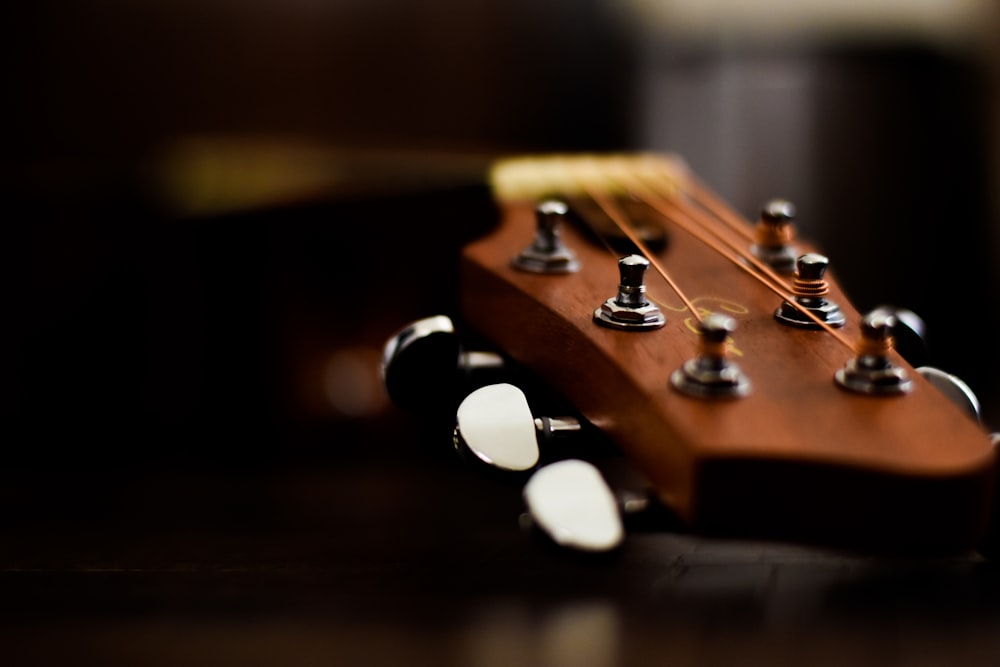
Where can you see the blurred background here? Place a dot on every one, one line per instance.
(216, 211)
(168, 165)
(185, 180)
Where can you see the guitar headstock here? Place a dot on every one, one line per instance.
(796, 455)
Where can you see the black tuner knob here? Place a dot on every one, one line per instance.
(424, 366)
(495, 426)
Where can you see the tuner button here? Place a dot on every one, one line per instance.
(573, 505)
(629, 309)
(953, 389)
(547, 253)
(415, 359)
(872, 371)
(495, 424)
(809, 291)
(774, 234)
(711, 374)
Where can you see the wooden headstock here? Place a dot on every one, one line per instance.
(798, 458)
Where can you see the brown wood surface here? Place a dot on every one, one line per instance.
(799, 458)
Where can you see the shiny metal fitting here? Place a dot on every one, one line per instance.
(775, 231)
(547, 253)
(872, 371)
(810, 290)
(630, 309)
(711, 374)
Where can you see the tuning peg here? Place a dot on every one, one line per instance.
(774, 236)
(573, 505)
(419, 356)
(909, 334)
(630, 310)
(809, 290)
(547, 253)
(710, 374)
(872, 371)
(495, 425)
(953, 389)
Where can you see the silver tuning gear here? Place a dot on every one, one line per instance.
(629, 309)
(774, 234)
(547, 253)
(810, 290)
(710, 374)
(425, 360)
(495, 425)
(871, 371)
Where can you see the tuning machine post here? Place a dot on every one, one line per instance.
(630, 309)
(547, 253)
(810, 290)
(711, 374)
(871, 371)
(774, 236)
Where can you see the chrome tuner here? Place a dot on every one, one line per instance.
(774, 234)
(547, 253)
(573, 505)
(711, 374)
(495, 425)
(810, 290)
(417, 357)
(630, 309)
(872, 371)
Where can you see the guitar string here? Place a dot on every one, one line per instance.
(699, 226)
(613, 212)
(567, 177)
(693, 222)
(704, 197)
(611, 209)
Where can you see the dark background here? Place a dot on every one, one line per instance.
(216, 212)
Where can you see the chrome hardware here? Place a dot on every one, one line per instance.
(871, 371)
(711, 374)
(630, 309)
(418, 355)
(547, 254)
(774, 233)
(810, 292)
